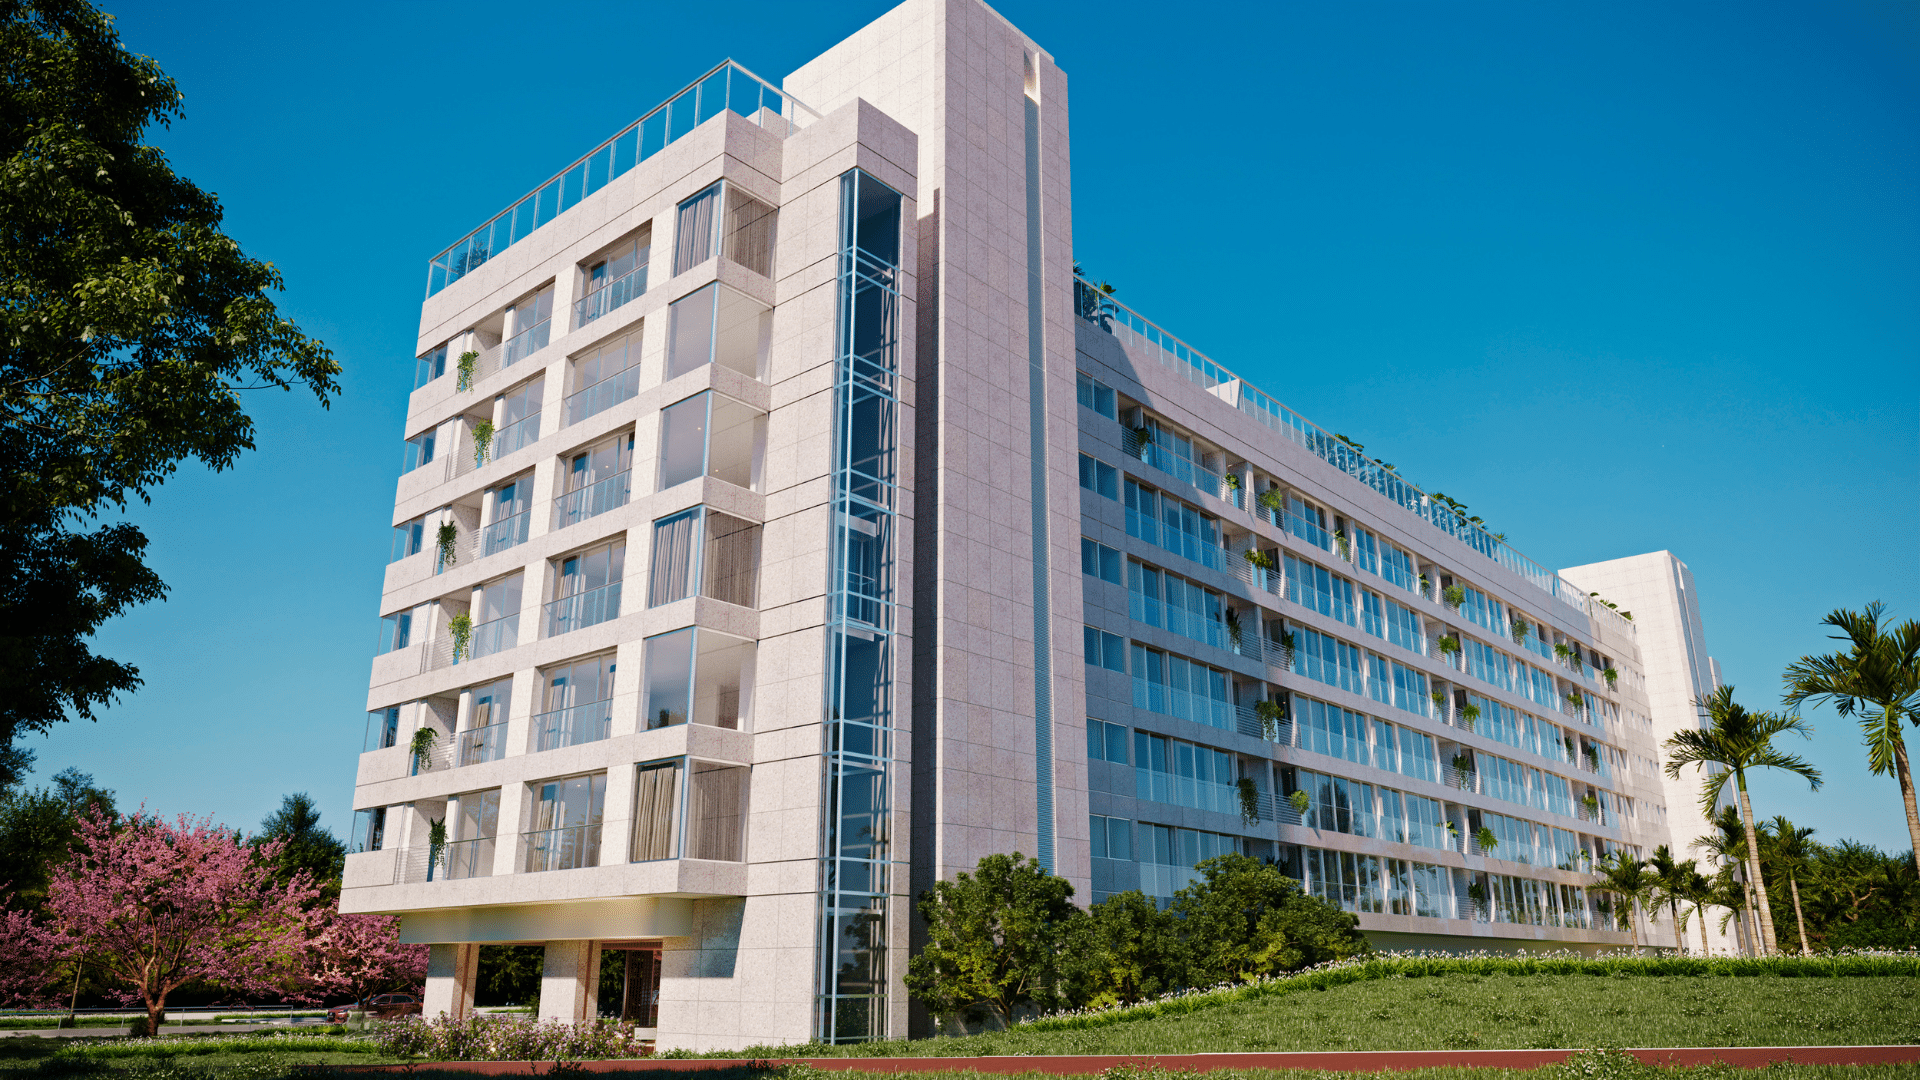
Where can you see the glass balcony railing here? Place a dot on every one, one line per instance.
(525, 343)
(584, 609)
(505, 533)
(603, 395)
(593, 500)
(476, 746)
(612, 295)
(561, 849)
(462, 859)
(522, 432)
(495, 636)
(728, 87)
(574, 726)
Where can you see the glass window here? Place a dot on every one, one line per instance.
(383, 728)
(566, 823)
(578, 698)
(711, 435)
(702, 676)
(669, 678)
(419, 452)
(431, 366)
(604, 377)
(369, 830)
(597, 480)
(409, 538)
(656, 808)
(693, 230)
(674, 571)
(587, 588)
(717, 814)
(1105, 650)
(749, 235)
(1096, 395)
(396, 632)
(1099, 560)
(715, 324)
(1099, 477)
(1106, 742)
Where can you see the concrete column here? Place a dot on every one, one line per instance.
(513, 821)
(570, 981)
(452, 971)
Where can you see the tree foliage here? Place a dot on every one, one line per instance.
(305, 847)
(1244, 920)
(37, 828)
(130, 327)
(993, 940)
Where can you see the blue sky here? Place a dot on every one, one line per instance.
(1620, 276)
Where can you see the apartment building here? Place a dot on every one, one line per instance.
(936, 553)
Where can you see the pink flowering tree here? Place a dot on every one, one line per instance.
(26, 961)
(361, 955)
(152, 905)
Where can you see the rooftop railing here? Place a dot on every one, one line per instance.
(1142, 335)
(727, 87)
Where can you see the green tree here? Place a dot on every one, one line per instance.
(1628, 879)
(1120, 953)
(1728, 845)
(1877, 678)
(1738, 740)
(993, 940)
(1670, 878)
(130, 327)
(1244, 919)
(1696, 889)
(308, 846)
(36, 831)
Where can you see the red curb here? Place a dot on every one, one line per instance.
(1750, 1057)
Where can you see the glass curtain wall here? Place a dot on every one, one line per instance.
(856, 887)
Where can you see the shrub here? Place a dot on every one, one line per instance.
(504, 1038)
(1244, 920)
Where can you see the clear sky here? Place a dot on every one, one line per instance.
(1620, 276)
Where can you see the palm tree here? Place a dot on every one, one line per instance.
(1728, 845)
(1788, 853)
(1725, 892)
(1626, 877)
(1667, 876)
(1878, 679)
(1697, 889)
(1738, 740)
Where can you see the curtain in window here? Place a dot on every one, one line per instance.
(749, 239)
(732, 560)
(672, 572)
(656, 802)
(718, 812)
(693, 230)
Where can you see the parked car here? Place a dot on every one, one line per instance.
(377, 1007)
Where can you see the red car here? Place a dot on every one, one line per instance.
(378, 1007)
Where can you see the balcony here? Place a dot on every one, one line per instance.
(573, 726)
(521, 433)
(1180, 468)
(613, 294)
(582, 610)
(525, 343)
(603, 395)
(476, 746)
(455, 860)
(496, 636)
(593, 500)
(560, 849)
(506, 533)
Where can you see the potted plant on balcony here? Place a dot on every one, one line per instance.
(1591, 803)
(1286, 648)
(1269, 500)
(1463, 771)
(1249, 801)
(482, 442)
(465, 365)
(1477, 892)
(1142, 438)
(1453, 831)
(1484, 839)
(1612, 675)
(1439, 703)
(1232, 480)
(447, 538)
(1344, 546)
(1449, 646)
(1453, 596)
(1233, 628)
(1271, 714)
(1426, 587)
(1468, 714)
(1301, 801)
(460, 627)
(1521, 628)
(425, 738)
(1575, 700)
(1262, 559)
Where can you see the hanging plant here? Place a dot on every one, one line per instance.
(1439, 702)
(461, 627)
(1452, 829)
(1449, 645)
(421, 746)
(1142, 438)
(1570, 752)
(468, 361)
(446, 538)
(1300, 800)
(1612, 676)
(1233, 628)
(1454, 595)
(1346, 548)
(1593, 807)
(1270, 499)
(1271, 714)
(1575, 699)
(1262, 559)
(1521, 628)
(1232, 480)
(1484, 839)
(1249, 801)
(482, 442)
(436, 844)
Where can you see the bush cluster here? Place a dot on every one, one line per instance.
(504, 1038)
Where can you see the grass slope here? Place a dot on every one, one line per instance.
(1428, 1003)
